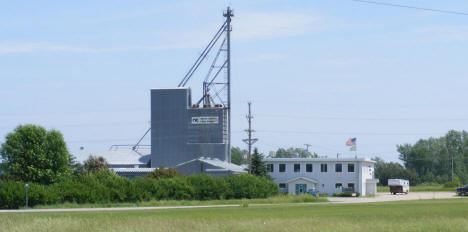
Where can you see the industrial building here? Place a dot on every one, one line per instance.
(192, 137)
(181, 131)
(299, 175)
(124, 161)
(131, 163)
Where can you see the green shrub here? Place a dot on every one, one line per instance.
(453, 184)
(249, 186)
(13, 195)
(105, 186)
(163, 173)
(173, 189)
(343, 194)
(206, 187)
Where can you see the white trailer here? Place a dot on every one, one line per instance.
(398, 186)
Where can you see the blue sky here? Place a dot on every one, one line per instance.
(317, 72)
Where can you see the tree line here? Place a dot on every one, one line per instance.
(239, 156)
(429, 161)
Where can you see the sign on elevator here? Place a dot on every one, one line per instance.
(205, 120)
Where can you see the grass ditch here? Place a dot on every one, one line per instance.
(290, 198)
(420, 215)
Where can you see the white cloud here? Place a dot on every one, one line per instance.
(268, 25)
(32, 47)
(251, 26)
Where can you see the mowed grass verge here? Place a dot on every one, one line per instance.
(420, 189)
(270, 200)
(422, 215)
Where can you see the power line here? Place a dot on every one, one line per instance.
(319, 117)
(412, 7)
(343, 133)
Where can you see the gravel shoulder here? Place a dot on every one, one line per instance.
(382, 197)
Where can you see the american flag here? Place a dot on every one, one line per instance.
(351, 142)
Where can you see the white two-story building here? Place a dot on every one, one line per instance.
(298, 175)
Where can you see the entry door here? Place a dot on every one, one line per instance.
(301, 188)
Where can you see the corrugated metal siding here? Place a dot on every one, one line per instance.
(174, 139)
(205, 133)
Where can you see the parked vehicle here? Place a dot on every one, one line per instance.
(313, 192)
(398, 186)
(462, 191)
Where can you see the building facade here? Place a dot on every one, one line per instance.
(298, 175)
(181, 131)
(211, 166)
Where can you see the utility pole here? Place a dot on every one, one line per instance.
(250, 141)
(452, 166)
(228, 29)
(307, 149)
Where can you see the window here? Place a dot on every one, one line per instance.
(350, 167)
(282, 167)
(282, 185)
(351, 185)
(338, 185)
(309, 168)
(323, 167)
(297, 167)
(270, 168)
(338, 167)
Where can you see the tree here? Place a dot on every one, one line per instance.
(77, 167)
(33, 154)
(163, 173)
(258, 165)
(94, 164)
(294, 152)
(391, 170)
(237, 156)
(431, 159)
(2, 168)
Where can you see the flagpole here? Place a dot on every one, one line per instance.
(353, 143)
(355, 151)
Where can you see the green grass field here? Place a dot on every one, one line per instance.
(420, 189)
(422, 215)
(280, 199)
